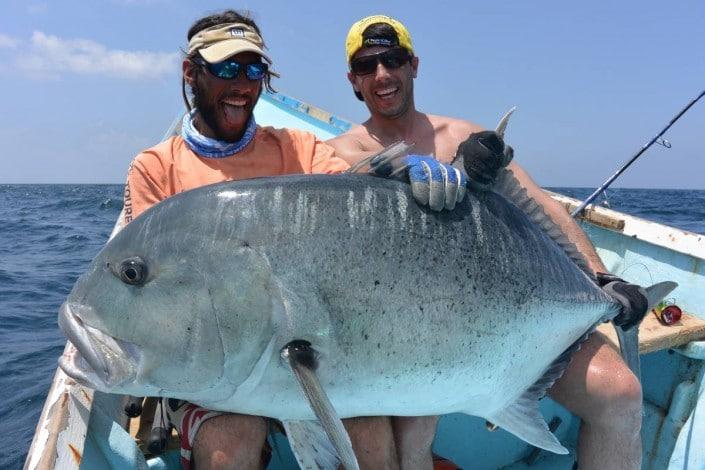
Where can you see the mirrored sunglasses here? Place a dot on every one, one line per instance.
(391, 59)
(229, 69)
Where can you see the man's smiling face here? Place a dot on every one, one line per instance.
(387, 91)
(224, 106)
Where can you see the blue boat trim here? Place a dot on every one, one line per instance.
(308, 113)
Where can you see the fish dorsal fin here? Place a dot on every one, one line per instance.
(508, 186)
(523, 418)
(502, 125)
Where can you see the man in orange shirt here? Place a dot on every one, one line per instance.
(220, 140)
(226, 68)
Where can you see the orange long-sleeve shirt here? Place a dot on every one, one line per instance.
(172, 167)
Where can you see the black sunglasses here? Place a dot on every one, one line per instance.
(391, 59)
(229, 69)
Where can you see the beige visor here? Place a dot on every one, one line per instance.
(219, 42)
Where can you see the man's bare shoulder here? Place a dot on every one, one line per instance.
(356, 135)
(456, 128)
(353, 145)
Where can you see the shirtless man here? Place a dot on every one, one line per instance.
(597, 386)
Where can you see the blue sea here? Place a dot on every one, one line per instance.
(49, 233)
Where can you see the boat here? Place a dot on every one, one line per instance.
(83, 429)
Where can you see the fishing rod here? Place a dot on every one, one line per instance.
(609, 181)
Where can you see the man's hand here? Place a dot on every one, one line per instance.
(484, 154)
(631, 296)
(433, 183)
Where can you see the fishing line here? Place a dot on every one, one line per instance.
(656, 139)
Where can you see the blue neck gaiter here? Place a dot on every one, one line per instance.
(212, 148)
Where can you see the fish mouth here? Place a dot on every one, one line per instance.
(97, 359)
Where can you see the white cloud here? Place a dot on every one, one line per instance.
(49, 56)
(8, 42)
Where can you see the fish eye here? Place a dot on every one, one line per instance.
(133, 271)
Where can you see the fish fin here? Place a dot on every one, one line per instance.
(523, 418)
(657, 292)
(502, 125)
(310, 445)
(629, 347)
(387, 156)
(629, 339)
(303, 361)
(508, 186)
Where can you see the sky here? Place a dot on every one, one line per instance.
(88, 85)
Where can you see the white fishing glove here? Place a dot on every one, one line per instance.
(433, 184)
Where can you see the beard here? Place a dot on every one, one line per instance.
(211, 113)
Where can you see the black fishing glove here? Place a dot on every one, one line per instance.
(631, 296)
(484, 154)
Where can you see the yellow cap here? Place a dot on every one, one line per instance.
(355, 41)
(219, 42)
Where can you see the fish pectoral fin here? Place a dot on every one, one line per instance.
(302, 358)
(523, 419)
(311, 445)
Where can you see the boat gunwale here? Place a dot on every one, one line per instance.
(655, 233)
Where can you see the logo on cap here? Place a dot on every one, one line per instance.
(379, 42)
(237, 32)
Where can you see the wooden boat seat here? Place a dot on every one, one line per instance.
(655, 336)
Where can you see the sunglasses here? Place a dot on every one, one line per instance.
(229, 69)
(391, 59)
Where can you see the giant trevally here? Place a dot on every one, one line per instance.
(345, 288)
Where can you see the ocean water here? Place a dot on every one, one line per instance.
(49, 233)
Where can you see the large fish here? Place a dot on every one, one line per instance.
(341, 286)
